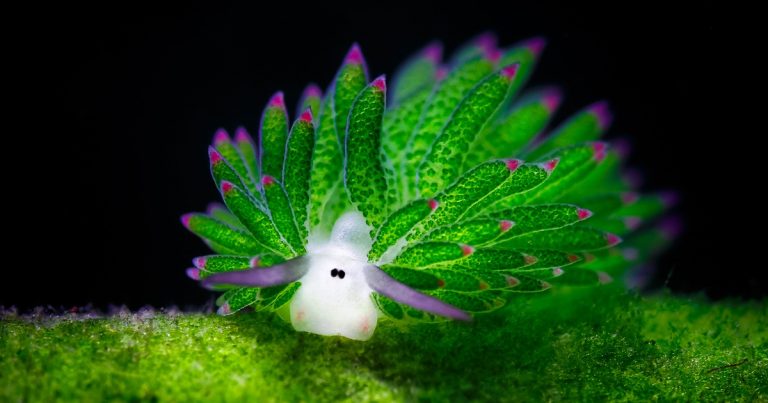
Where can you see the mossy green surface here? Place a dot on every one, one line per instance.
(569, 345)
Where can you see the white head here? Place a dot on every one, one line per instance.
(334, 297)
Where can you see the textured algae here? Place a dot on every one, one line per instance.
(568, 345)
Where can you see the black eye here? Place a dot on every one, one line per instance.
(334, 273)
(341, 274)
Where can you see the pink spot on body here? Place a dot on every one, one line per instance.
(242, 136)
(306, 116)
(199, 262)
(193, 273)
(599, 149)
(355, 55)
(221, 136)
(440, 283)
(267, 180)
(530, 259)
(512, 281)
(510, 71)
(557, 272)
(254, 262)
(433, 204)
(467, 250)
(551, 100)
(380, 83)
(300, 316)
(514, 164)
(505, 225)
(583, 213)
(550, 165)
(612, 239)
(573, 258)
(602, 112)
(227, 187)
(365, 327)
(545, 285)
(535, 45)
(433, 52)
(185, 219)
(632, 223)
(214, 156)
(277, 100)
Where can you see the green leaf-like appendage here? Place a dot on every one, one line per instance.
(472, 232)
(587, 125)
(398, 224)
(396, 130)
(274, 132)
(311, 99)
(571, 239)
(282, 214)
(236, 159)
(325, 175)
(363, 172)
(237, 299)
(255, 219)
(531, 219)
(424, 190)
(296, 172)
(220, 212)
(431, 253)
(442, 163)
(437, 112)
(327, 198)
(417, 73)
(350, 80)
(467, 196)
(515, 130)
(226, 238)
(222, 170)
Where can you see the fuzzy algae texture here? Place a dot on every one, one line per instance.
(564, 346)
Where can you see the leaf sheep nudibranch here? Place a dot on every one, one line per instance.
(441, 200)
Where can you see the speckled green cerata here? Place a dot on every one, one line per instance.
(438, 195)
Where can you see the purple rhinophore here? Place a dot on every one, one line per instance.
(280, 274)
(385, 285)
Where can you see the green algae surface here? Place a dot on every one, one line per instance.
(563, 346)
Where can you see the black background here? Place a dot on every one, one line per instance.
(125, 101)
